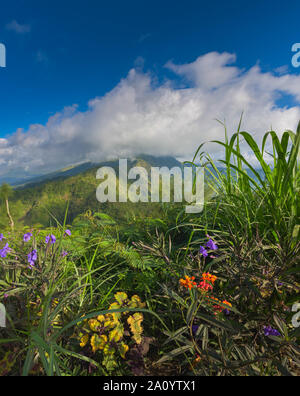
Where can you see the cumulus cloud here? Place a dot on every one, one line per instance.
(139, 116)
(18, 27)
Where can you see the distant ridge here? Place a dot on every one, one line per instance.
(69, 171)
(74, 170)
(35, 200)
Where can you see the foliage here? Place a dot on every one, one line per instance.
(108, 333)
(217, 287)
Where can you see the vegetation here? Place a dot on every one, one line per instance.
(103, 292)
(35, 204)
(5, 193)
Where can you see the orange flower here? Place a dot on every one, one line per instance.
(196, 361)
(188, 282)
(207, 277)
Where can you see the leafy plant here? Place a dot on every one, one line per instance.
(111, 333)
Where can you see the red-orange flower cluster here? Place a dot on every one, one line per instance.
(208, 281)
(205, 286)
(207, 277)
(188, 282)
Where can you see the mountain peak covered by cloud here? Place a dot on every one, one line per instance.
(140, 116)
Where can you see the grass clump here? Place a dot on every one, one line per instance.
(205, 294)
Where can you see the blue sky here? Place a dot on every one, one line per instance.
(61, 53)
(76, 50)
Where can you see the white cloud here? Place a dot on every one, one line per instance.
(18, 28)
(209, 71)
(138, 116)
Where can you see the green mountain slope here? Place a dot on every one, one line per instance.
(39, 201)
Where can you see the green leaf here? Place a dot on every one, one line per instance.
(175, 352)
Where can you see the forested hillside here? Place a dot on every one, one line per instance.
(36, 202)
(147, 289)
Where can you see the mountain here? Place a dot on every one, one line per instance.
(14, 178)
(74, 170)
(43, 198)
(71, 170)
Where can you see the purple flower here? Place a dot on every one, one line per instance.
(64, 253)
(194, 329)
(211, 245)
(203, 251)
(1, 237)
(4, 251)
(269, 331)
(5, 295)
(27, 237)
(68, 232)
(32, 257)
(50, 238)
(226, 311)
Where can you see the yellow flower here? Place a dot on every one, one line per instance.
(121, 297)
(115, 305)
(111, 320)
(94, 324)
(136, 302)
(117, 333)
(123, 349)
(135, 323)
(84, 340)
(98, 342)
